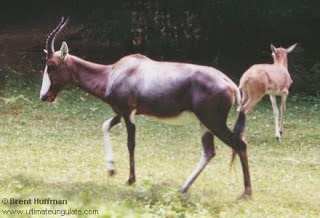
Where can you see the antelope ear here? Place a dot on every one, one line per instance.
(64, 51)
(45, 51)
(273, 49)
(291, 48)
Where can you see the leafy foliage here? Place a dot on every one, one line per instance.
(227, 34)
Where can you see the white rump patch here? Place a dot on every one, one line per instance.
(45, 83)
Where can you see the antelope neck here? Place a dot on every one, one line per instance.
(282, 61)
(89, 76)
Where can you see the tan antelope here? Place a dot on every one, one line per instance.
(137, 85)
(268, 79)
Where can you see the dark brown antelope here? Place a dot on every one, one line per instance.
(268, 79)
(137, 85)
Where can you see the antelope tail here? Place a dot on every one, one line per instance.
(240, 124)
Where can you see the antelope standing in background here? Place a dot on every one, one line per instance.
(268, 79)
(137, 85)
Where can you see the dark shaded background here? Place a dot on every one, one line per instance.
(230, 35)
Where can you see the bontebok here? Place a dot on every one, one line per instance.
(268, 79)
(137, 85)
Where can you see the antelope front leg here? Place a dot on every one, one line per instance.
(276, 116)
(282, 110)
(106, 127)
(131, 130)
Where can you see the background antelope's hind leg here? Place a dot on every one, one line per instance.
(208, 152)
(251, 102)
(244, 96)
(276, 116)
(253, 92)
(106, 127)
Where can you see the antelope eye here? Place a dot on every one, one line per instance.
(49, 63)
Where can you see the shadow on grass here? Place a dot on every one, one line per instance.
(145, 194)
(144, 198)
(26, 186)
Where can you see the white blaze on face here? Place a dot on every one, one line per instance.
(45, 82)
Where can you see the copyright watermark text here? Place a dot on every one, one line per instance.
(34, 201)
(46, 202)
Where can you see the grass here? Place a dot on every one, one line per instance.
(56, 151)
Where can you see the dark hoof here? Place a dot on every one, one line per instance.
(278, 138)
(111, 172)
(130, 182)
(244, 196)
(183, 191)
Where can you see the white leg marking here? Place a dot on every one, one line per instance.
(133, 116)
(107, 145)
(45, 82)
(203, 162)
(276, 115)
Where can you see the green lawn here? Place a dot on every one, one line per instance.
(56, 151)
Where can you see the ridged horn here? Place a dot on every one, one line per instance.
(52, 36)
